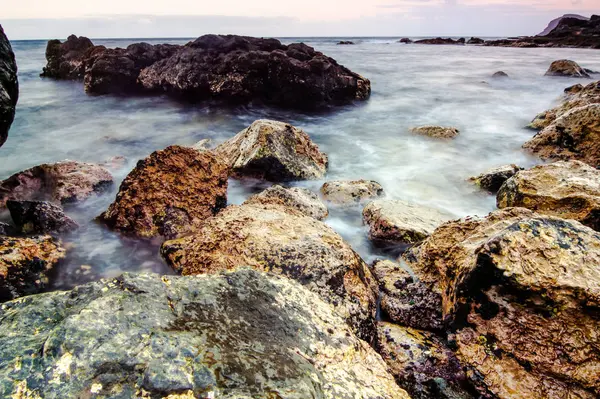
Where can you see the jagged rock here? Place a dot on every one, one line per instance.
(9, 86)
(440, 132)
(522, 290)
(492, 179)
(405, 300)
(24, 264)
(350, 192)
(566, 68)
(67, 60)
(574, 135)
(401, 221)
(282, 240)
(274, 151)
(555, 22)
(569, 190)
(39, 217)
(234, 335)
(421, 363)
(301, 199)
(63, 182)
(439, 40)
(405, 40)
(500, 74)
(475, 40)
(168, 193)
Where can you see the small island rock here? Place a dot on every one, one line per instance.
(566, 68)
(440, 132)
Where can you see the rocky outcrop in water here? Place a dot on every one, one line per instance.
(439, 40)
(9, 86)
(405, 40)
(345, 42)
(301, 199)
(440, 132)
(351, 192)
(476, 40)
(521, 290)
(282, 240)
(500, 75)
(39, 217)
(566, 68)
(67, 60)
(569, 190)
(274, 151)
(492, 179)
(25, 263)
(62, 182)
(232, 335)
(168, 193)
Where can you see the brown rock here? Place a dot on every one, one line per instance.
(350, 192)
(566, 68)
(439, 132)
(492, 179)
(300, 199)
(284, 241)
(39, 217)
(168, 193)
(67, 60)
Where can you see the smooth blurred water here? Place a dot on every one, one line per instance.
(412, 85)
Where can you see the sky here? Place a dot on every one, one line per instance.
(43, 19)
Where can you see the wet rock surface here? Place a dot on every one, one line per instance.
(301, 199)
(440, 132)
(62, 182)
(351, 192)
(39, 217)
(282, 240)
(231, 335)
(9, 86)
(274, 151)
(67, 60)
(492, 179)
(168, 193)
(566, 68)
(570, 190)
(25, 264)
(522, 291)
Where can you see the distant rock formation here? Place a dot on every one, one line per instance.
(440, 40)
(554, 23)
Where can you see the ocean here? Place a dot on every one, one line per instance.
(411, 85)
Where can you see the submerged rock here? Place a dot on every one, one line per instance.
(282, 240)
(574, 135)
(522, 292)
(24, 265)
(274, 151)
(350, 192)
(39, 217)
(439, 132)
(232, 335)
(9, 86)
(566, 68)
(301, 199)
(345, 42)
(569, 190)
(400, 221)
(168, 193)
(492, 179)
(500, 74)
(63, 182)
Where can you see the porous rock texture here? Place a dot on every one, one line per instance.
(439, 132)
(570, 190)
(39, 217)
(301, 199)
(282, 240)
(522, 292)
(351, 192)
(168, 193)
(9, 86)
(243, 334)
(492, 179)
(274, 151)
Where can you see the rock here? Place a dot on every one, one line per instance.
(405, 300)
(9, 86)
(39, 217)
(203, 145)
(440, 132)
(62, 182)
(566, 68)
(570, 190)
(300, 199)
(168, 193)
(115, 163)
(274, 151)
(350, 192)
(500, 74)
(282, 240)
(400, 221)
(421, 363)
(521, 290)
(405, 40)
(7, 230)
(25, 263)
(554, 23)
(345, 42)
(475, 40)
(439, 40)
(574, 135)
(234, 335)
(67, 60)
(492, 179)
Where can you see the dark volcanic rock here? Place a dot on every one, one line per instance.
(475, 40)
(345, 42)
(554, 23)
(405, 40)
(67, 60)
(39, 217)
(439, 40)
(500, 74)
(9, 86)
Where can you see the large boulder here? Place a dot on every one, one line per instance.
(234, 335)
(439, 132)
(566, 68)
(492, 179)
(402, 222)
(351, 192)
(39, 217)
(9, 86)
(569, 190)
(62, 182)
(168, 193)
(25, 264)
(522, 292)
(282, 240)
(274, 151)
(301, 199)
(574, 135)
(67, 60)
